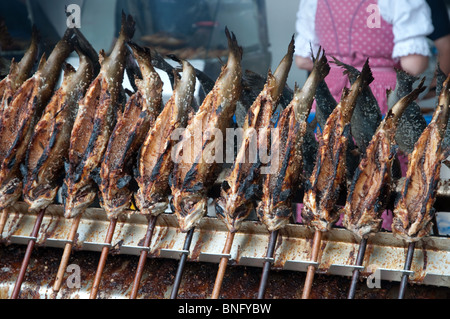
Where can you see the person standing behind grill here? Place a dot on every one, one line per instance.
(391, 33)
(441, 33)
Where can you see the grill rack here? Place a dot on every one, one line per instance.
(384, 258)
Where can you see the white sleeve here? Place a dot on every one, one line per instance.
(411, 20)
(305, 29)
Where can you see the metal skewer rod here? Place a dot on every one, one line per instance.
(143, 256)
(312, 269)
(3, 218)
(183, 259)
(222, 265)
(267, 263)
(408, 262)
(28, 252)
(359, 262)
(103, 257)
(66, 254)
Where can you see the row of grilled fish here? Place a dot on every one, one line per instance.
(88, 138)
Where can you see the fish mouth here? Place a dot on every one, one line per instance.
(78, 203)
(231, 216)
(189, 209)
(10, 193)
(276, 217)
(154, 207)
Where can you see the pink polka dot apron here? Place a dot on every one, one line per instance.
(343, 31)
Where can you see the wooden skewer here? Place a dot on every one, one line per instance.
(103, 257)
(28, 252)
(66, 254)
(312, 269)
(359, 262)
(408, 262)
(266, 267)
(143, 257)
(3, 218)
(183, 259)
(222, 265)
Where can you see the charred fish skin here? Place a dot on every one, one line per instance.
(275, 208)
(20, 71)
(94, 123)
(195, 170)
(371, 186)
(241, 185)
(323, 187)
(49, 144)
(412, 122)
(367, 114)
(325, 105)
(155, 163)
(414, 209)
(128, 135)
(22, 113)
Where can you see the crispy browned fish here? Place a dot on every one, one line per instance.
(323, 187)
(155, 161)
(20, 116)
(414, 209)
(49, 144)
(196, 165)
(240, 187)
(93, 125)
(371, 186)
(128, 135)
(275, 207)
(19, 72)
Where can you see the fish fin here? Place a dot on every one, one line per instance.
(128, 26)
(42, 61)
(233, 44)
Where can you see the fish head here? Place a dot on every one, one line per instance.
(231, 214)
(77, 200)
(274, 216)
(189, 208)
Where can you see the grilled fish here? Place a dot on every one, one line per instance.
(275, 208)
(414, 209)
(93, 125)
(196, 167)
(322, 189)
(367, 114)
(371, 186)
(128, 135)
(412, 123)
(155, 160)
(19, 72)
(242, 184)
(325, 105)
(49, 144)
(22, 113)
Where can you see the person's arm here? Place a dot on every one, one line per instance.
(443, 47)
(411, 20)
(414, 64)
(306, 38)
(304, 63)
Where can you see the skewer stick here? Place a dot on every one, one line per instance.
(312, 269)
(359, 262)
(66, 254)
(267, 263)
(3, 218)
(408, 262)
(28, 252)
(143, 257)
(179, 275)
(222, 265)
(103, 257)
